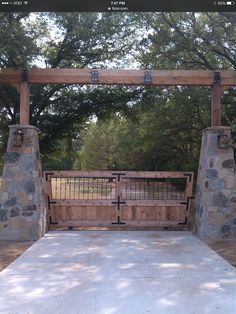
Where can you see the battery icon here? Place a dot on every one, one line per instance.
(230, 2)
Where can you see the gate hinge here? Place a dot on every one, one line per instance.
(187, 203)
(50, 202)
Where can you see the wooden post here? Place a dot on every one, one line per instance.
(216, 93)
(24, 103)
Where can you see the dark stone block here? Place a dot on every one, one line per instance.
(233, 199)
(216, 184)
(32, 207)
(30, 162)
(234, 221)
(14, 212)
(11, 157)
(3, 215)
(11, 202)
(27, 214)
(206, 184)
(228, 163)
(220, 200)
(225, 228)
(211, 163)
(29, 187)
(211, 173)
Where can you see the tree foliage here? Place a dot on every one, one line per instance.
(189, 41)
(62, 40)
(151, 128)
(160, 135)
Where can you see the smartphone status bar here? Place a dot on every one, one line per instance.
(118, 6)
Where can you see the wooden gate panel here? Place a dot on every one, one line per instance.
(79, 198)
(82, 213)
(153, 213)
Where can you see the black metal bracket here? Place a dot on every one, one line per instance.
(48, 174)
(24, 75)
(52, 222)
(118, 222)
(185, 221)
(189, 175)
(147, 77)
(118, 202)
(118, 175)
(187, 203)
(94, 76)
(217, 77)
(50, 202)
(70, 227)
(187, 208)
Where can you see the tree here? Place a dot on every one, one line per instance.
(99, 142)
(189, 41)
(77, 40)
(161, 133)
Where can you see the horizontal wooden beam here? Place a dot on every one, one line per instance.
(86, 202)
(123, 174)
(118, 77)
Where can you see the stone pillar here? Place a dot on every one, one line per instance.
(215, 198)
(22, 211)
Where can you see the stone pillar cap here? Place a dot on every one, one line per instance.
(23, 126)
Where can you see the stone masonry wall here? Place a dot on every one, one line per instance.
(215, 198)
(22, 205)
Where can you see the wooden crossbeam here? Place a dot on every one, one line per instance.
(218, 81)
(119, 77)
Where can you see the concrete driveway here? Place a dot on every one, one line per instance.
(110, 272)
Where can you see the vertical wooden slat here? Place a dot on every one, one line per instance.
(24, 103)
(216, 93)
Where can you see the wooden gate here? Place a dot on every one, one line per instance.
(108, 198)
